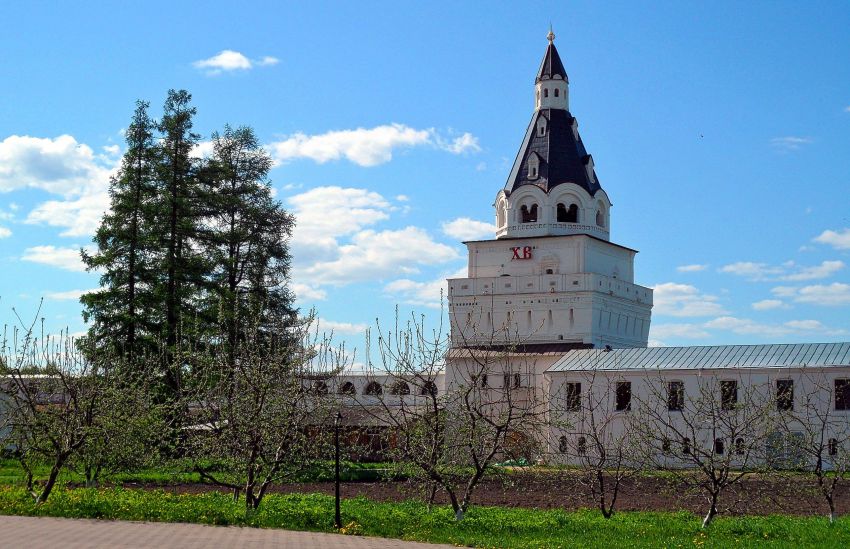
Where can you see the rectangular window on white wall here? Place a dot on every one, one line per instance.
(624, 396)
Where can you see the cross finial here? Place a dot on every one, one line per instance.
(551, 35)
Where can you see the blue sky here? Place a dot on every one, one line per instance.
(720, 131)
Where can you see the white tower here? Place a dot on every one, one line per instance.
(551, 280)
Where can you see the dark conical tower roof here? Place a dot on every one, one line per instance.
(552, 152)
(551, 65)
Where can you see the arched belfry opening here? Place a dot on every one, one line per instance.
(528, 215)
(567, 214)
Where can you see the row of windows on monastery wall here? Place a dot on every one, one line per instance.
(783, 395)
(783, 400)
(373, 388)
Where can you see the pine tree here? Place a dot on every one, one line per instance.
(121, 313)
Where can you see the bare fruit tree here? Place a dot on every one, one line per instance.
(709, 431)
(486, 410)
(52, 398)
(255, 422)
(589, 413)
(814, 432)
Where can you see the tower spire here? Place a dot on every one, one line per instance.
(551, 36)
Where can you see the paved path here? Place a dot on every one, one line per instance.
(54, 533)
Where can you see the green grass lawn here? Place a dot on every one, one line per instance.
(483, 526)
(11, 474)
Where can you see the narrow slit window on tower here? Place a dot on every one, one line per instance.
(545, 92)
(533, 166)
(556, 92)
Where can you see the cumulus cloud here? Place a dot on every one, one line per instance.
(769, 305)
(69, 295)
(59, 165)
(790, 143)
(372, 255)
(836, 294)
(840, 240)
(63, 258)
(422, 294)
(4, 232)
(79, 217)
(349, 328)
(324, 214)
(464, 228)
(788, 271)
(230, 61)
(365, 146)
(305, 292)
(691, 268)
(684, 300)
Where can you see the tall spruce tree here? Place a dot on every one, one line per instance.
(177, 215)
(247, 233)
(122, 312)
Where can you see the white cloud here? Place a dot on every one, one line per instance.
(836, 294)
(375, 255)
(789, 143)
(324, 214)
(268, 60)
(305, 292)
(466, 143)
(70, 295)
(423, 294)
(751, 270)
(59, 166)
(684, 300)
(688, 331)
(691, 268)
(745, 326)
(840, 240)
(824, 270)
(79, 217)
(402, 198)
(464, 228)
(481, 166)
(847, 109)
(202, 149)
(4, 232)
(325, 325)
(769, 305)
(365, 146)
(788, 271)
(63, 258)
(230, 60)
(63, 167)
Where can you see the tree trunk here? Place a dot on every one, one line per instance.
(712, 512)
(51, 482)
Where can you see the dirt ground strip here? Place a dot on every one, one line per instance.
(752, 496)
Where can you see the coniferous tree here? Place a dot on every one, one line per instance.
(177, 218)
(246, 239)
(122, 311)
